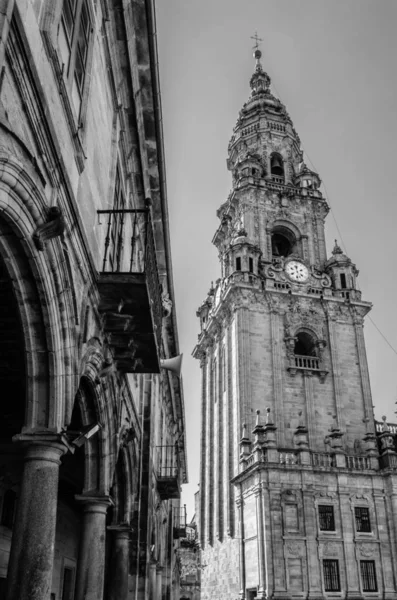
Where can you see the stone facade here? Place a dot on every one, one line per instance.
(92, 446)
(190, 564)
(296, 491)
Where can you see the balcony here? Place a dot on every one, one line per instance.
(309, 364)
(179, 522)
(129, 288)
(167, 472)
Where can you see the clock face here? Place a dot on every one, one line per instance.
(297, 271)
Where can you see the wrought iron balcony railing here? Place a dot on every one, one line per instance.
(167, 471)
(179, 522)
(129, 287)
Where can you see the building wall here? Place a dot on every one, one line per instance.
(58, 166)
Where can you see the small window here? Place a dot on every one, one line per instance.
(291, 517)
(8, 510)
(331, 575)
(326, 517)
(251, 265)
(238, 263)
(73, 41)
(368, 575)
(363, 524)
(67, 583)
(343, 281)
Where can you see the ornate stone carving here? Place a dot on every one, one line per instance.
(54, 227)
(365, 550)
(167, 304)
(294, 548)
(330, 549)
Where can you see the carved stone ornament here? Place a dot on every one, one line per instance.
(304, 313)
(167, 304)
(294, 548)
(54, 227)
(330, 549)
(365, 550)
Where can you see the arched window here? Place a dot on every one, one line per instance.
(305, 344)
(277, 167)
(283, 242)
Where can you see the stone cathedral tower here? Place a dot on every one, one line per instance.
(296, 491)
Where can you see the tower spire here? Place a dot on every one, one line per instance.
(257, 53)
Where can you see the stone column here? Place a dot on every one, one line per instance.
(262, 587)
(118, 589)
(159, 582)
(152, 581)
(91, 563)
(32, 548)
(240, 507)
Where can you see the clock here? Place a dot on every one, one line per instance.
(297, 271)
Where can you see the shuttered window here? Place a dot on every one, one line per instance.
(326, 517)
(363, 523)
(368, 575)
(331, 575)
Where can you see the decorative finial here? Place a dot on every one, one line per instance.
(337, 249)
(385, 426)
(258, 412)
(268, 417)
(257, 53)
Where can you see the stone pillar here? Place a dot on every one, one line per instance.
(118, 589)
(32, 548)
(262, 587)
(91, 563)
(152, 580)
(159, 582)
(240, 507)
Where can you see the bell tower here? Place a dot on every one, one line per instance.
(290, 463)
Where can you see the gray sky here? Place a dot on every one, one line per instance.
(333, 64)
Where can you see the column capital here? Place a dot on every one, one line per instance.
(94, 503)
(121, 531)
(43, 445)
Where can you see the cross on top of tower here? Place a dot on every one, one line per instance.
(257, 40)
(257, 53)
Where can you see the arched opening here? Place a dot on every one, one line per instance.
(305, 344)
(277, 166)
(283, 242)
(78, 474)
(12, 361)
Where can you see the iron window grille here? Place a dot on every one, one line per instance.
(326, 517)
(368, 576)
(363, 523)
(331, 575)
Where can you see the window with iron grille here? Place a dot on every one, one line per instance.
(73, 42)
(331, 575)
(368, 575)
(326, 517)
(363, 523)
